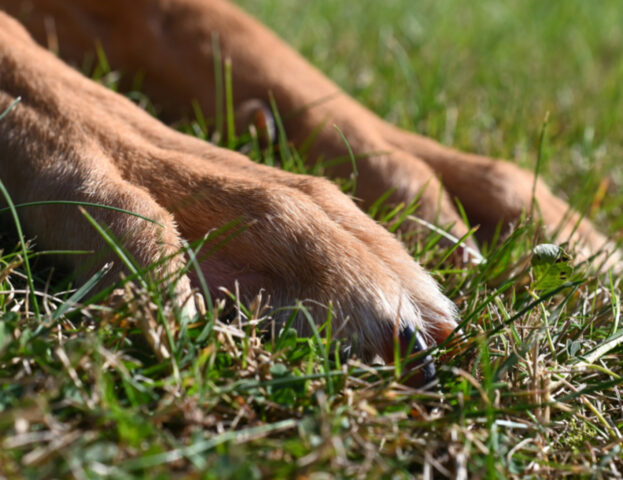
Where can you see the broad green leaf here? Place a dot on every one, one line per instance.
(551, 266)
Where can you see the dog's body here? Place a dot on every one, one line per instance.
(72, 139)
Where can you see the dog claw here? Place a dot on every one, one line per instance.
(255, 113)
(411, 343)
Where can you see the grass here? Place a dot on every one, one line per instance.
(537, 392)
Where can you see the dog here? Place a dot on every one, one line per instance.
(70, 138)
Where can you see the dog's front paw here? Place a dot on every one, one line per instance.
(497, 193)
(300, 239)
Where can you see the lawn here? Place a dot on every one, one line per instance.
(536, 390)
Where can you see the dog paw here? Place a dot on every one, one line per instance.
(299, 239)
(497, 193)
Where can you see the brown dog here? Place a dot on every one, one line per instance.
(72, 139)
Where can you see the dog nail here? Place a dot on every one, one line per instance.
(411, 342)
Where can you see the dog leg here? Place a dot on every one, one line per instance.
(302, 239)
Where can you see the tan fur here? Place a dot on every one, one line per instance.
(70, 138)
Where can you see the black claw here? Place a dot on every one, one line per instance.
(411, 342)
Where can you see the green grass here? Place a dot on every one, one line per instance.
(537, 391)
